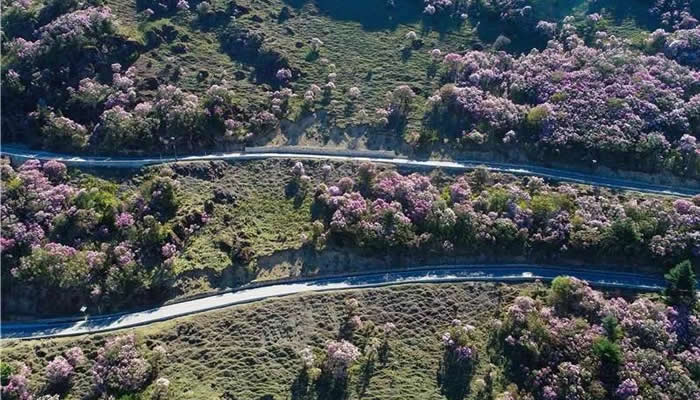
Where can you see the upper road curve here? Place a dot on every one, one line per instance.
(20, 153)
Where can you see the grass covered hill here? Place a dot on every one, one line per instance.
(429, 341)
(138, 238)
(577, 82)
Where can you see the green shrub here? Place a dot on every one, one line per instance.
(561, 294)
(612, 328)
(160, 193)
(608, 353)
(536, 116)
(681, 285)
(5, 372)
(498, 200)
(102, 201)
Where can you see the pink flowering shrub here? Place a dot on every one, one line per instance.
(75, 356)
(52, 39)
(520, 217)
(69, 31)
(54, 170)
(339, 358)
(128, 123)
(459, 360)
(569, 97)
(17, 385)
(73, 239)
(682, 45)
(284, 74)
(59, 371)
(63, 133)
(92, 110)
(120, 367)
(53, 264)
(124, 220)
(675, 14)
(613, 349)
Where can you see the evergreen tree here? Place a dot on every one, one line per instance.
(681, 285)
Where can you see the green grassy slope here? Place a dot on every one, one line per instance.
(251, 351)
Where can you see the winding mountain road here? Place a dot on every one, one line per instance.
(499, 272)
(19, 153)
(482, 272)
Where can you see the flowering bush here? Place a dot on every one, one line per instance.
(571, 97)
(459, 359)
(682, 45)
(401, 98)
(339, 357)
(75, 356)
(178, 110)
(89, 109)
(525, 217)
(59, 371)
(162, 388)
(563, 353)
(68, 32)
(284, 74)
(17, 385)
(675, 14)
(63, 133)
(53, 264)
(120, 367)
(73, 238)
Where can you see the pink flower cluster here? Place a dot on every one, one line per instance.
(120, 366)
(458, 341)
(570, 97)
(529, 215)
(340, 355)
(18, 385)
(563, 329)
(68, 30)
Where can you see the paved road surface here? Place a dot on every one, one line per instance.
(499, 273)
(20, 154)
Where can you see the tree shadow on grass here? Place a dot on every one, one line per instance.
(301, 387)
(621, 10)
(371, 14)
(365, 376)
(247, 47)
(326, 387)
(454, 377)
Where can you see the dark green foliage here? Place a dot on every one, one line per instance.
(161, 196)
(101, 200)
(608, 352)
(5, 372)
(610, 356)
(455, 376)
(681, 285)
(612, 328)
(623, 237)
(561, 295)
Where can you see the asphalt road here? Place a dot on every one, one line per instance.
(500, 273)
(19, 153)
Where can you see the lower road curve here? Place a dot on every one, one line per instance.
(20, 153)
(482, 272)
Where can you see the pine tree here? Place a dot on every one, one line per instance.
(681, 285)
